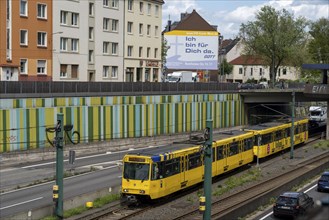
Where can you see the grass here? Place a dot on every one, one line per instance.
(323, 144)
(98, 203)
(232, 182)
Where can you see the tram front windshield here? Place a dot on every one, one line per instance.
(136, 171)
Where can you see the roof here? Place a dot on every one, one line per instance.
(290, 194)
(191, 21)
(248, 60)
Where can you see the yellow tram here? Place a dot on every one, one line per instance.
(273, 137)
(149, 177)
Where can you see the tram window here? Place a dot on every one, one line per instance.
(234, 149)
(194, 160)
(266, 138)
(155, 172)
(213, 155)
(287, 132)
(247, 144)
(278, 135)
(220, 154)
(171, 167)
(136, 171)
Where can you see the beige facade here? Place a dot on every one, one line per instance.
(142, 40)
(26, 42)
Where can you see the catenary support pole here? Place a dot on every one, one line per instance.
(292, 130)
(207, 169)
(59, 165)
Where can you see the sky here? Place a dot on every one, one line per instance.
(228, 15)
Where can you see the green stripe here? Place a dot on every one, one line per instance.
(4, 125)
(90, 124)
(28, 130)
(99, 123)
(37, 128)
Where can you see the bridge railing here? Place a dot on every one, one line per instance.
(106, 88)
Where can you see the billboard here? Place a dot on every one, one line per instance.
(192, 50)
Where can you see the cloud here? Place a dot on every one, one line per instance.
(229, 18)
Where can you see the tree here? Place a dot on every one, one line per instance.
(319, 43)
(275, 36)
(225, 68)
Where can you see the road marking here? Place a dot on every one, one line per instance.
(86, 157)
(21, 203)
(309, 189)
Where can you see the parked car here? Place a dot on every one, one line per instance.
(323, 182)
(292, 204)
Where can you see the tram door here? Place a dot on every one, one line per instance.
(241, 152)
(183, 165)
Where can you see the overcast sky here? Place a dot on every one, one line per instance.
(228, 15)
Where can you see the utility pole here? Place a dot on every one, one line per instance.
(207, 168)
(292, 129)
(59, 167)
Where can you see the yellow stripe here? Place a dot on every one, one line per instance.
(192, 33)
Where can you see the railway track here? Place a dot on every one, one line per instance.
(226, 205)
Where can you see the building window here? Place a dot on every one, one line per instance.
(130, 27)
(42, 11)
(157, 10)
(155, 52)
(64, 17)
(42, 39)
(240, 70)
(106, 71)
(140, 52)
(41, 68)
(106, 3)
(75, 19)
(147, 75)
(114, 48)
(63, 73)
(106, 24)
(114, 72)
(63, 44)
(284, 72)
(23, 68)
(148, 51)
(130, 51)
(91, 9)
(115, 25)
(75, 45)
(23, 7)
(115, 3)
(148, 31)
(91, 33)
(23, 40)
(106, 47)
(91, 56)
(141, 7)
(74, 71)
(156, 31)
(130, 5)
(149, 8)
(140, 29)
(260, 71)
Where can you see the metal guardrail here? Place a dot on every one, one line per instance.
(7, 87)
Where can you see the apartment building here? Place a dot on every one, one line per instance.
(142, 41)
(26, 40)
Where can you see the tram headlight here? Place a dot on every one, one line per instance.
(125, 190)
(142, 191)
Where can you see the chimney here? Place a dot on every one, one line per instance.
(169, 25)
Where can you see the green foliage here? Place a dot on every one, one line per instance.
(232, 182)
(225, 68)
(277, 37)
(99, 202)
(319, 43)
